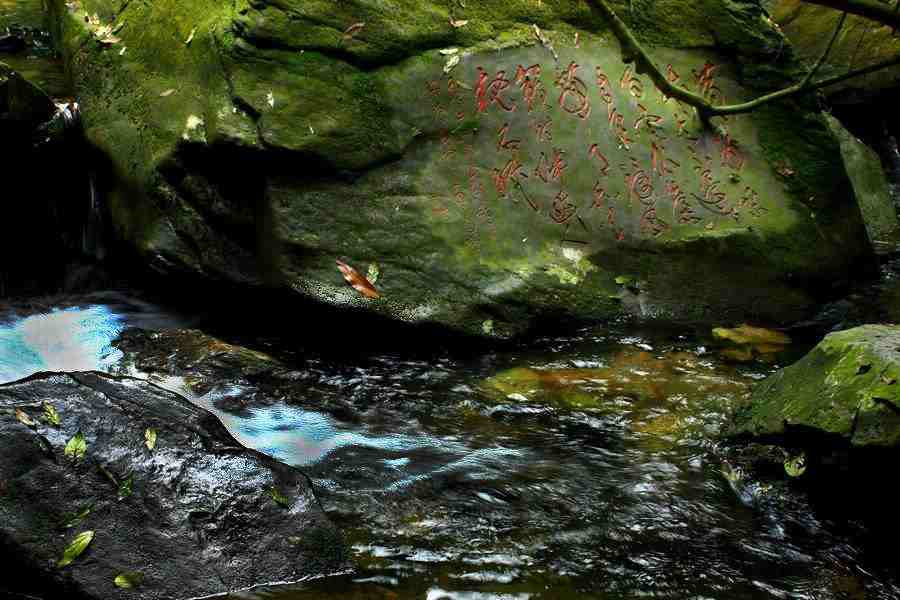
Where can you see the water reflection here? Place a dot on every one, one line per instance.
(71, 339)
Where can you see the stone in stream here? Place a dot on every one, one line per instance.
(846, 392)
(491, 178)
(12, 43)
(198, 517)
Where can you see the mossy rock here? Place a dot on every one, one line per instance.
(846, 388)
(870, 184)
(492, 183)
(861, 42)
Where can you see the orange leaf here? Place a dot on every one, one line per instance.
(359, 283)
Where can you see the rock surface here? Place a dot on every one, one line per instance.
(200, 518)
(488, 178)
(870, 185)
(21, 101)
(846, 389)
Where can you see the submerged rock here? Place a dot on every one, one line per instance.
(195, 515)
(489, 174)
(845, 390)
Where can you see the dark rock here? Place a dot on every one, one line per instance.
(200, 520)
(11, 44)
(21, 100)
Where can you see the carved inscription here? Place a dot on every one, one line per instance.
(638, 165)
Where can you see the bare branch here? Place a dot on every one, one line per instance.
(870, 9)
(633, 51)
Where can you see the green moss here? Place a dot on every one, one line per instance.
(847, 386)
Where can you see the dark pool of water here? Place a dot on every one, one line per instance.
(580, 465)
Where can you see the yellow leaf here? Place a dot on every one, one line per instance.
(190, 38)
(23, 418)
(167, 93)
(458, 23)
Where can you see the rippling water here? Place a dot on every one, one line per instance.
(579, 466)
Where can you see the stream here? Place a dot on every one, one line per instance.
(577, 465)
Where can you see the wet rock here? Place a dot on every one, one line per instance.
(11, 44)
(746, 342)
(484, 184)
(198, 517)
(845, 390)
(22, 101)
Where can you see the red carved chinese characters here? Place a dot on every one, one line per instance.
(488, 93)
(604, 163)
(503, 143)
(574, 97)
(529, 81)
(562, 209)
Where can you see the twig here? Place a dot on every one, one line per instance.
(633, 51)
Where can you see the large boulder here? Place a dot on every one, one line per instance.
(846, 391)
(194, 515)
(485, 164)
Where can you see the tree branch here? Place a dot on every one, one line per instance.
(633, 51)
(870, 9)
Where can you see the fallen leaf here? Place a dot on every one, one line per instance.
(122, 51)
(110, 40)
(451, 62)
(118, 27)
(167, 93)
(50, 415)
(76, 548)
(270, 99)
(128, 580)
(76, 447)
(458, 23)
(449, 51)
(796, 466)
(126, 486)
(190, 38)
(353, 30)
(24, 419)
(279, 498)
(784, 170)
(150, 438)
(373, 273)
(359, 283)
(75, 519)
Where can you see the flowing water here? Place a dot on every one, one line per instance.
(581, 465)
(38, 62)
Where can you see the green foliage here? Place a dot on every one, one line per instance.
(75, 549)
(279, 498)
(128, 580)
(76, 447)
(51, 416)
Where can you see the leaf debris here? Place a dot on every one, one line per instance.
(357, 281)
(75, 549)
(76, 447)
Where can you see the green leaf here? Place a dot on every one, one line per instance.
(126, 486)
(624, 280)
(128, 580)
(279, 498)
(76, 447)
(373, 274)
(150, 438)
(50, 414)
(796, 466)
(488, 327)
(76, 518)
(76, 548)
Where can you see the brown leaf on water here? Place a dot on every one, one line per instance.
(353, 30)
(359, 283)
